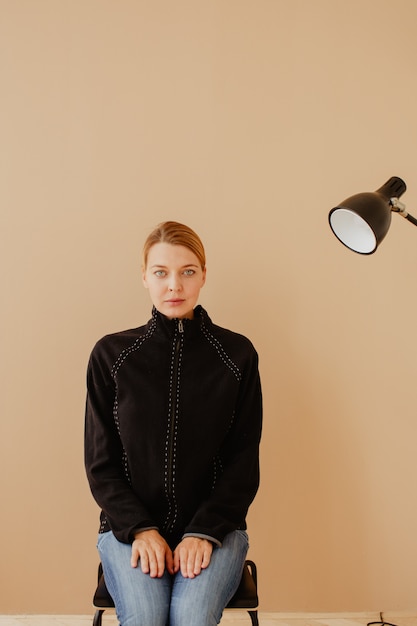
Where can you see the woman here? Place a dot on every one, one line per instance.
(173, 424)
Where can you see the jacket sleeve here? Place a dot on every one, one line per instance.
(225, 510)
(105, 461)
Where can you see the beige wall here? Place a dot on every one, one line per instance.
(248, 120)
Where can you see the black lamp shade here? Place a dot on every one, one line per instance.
(362, 221)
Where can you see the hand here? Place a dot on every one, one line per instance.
(192, 555)
(153, 552)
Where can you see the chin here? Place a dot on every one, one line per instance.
(173, 312)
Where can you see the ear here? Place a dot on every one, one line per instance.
(145, 282)
(204, 276)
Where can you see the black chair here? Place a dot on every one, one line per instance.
(245, 598)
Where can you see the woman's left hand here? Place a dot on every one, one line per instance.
(192, 555)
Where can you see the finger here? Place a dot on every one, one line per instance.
(176, 561)
(134, 557)
(193, 563)
(158, 560)
(156, 565)
(198, 561)
(144, 562)
(169, 562)
(206, 557)
(183, 559)
(202, 558)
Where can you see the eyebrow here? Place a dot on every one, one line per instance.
(155, 265)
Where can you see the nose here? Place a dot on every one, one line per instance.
(174, 283)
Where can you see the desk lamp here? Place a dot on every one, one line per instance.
(362, 221)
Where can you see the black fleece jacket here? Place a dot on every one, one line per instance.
(172, 431)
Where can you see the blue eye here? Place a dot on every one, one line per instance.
(189, 272)
(160, 273)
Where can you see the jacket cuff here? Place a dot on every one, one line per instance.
(136, 531)
(202, 536)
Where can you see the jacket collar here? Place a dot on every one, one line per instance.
(170, 327)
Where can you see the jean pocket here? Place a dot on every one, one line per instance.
(244, 535)
(102, 537)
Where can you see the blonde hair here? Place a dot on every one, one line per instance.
(178, 235)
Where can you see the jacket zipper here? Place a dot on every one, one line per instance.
(171, 448)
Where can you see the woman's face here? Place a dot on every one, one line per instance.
(174, 278)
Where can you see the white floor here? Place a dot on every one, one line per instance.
(231, 618)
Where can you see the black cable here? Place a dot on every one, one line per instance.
(382, 622)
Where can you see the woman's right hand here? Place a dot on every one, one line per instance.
(153, 552)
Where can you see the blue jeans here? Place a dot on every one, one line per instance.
(172, 600)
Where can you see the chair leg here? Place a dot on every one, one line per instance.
(98, 616)
(254, 617)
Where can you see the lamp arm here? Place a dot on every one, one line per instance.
(399, 207)
(411, 219)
